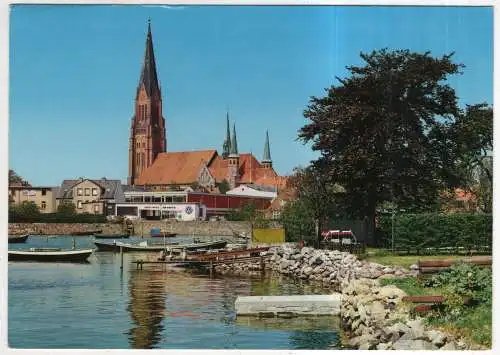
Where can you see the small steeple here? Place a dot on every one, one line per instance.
(148, 73)
(266, 161)
(226, 147)
(234, 143)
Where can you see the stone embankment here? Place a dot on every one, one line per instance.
(62, 228)
(375, 317)
(198, 228)
(334, 268)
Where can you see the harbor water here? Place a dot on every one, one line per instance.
(97, 306)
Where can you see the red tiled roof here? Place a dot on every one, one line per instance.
(183, 168)
(176, 168)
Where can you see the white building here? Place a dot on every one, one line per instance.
(182, 211)
(254, 190)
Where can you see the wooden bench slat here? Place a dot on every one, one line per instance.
(424, 299)
(478, 260)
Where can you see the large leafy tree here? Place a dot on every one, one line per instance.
(473, 134)
(14, 178)
(383, 132)
(316, 194)
(297, 220)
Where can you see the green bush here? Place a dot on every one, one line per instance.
(464, 279)
(434, 230)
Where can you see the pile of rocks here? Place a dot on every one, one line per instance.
(375, 317)
(333, 267)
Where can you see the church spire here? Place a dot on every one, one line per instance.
(149, 76)
(226, 147)
(234, 143)
(266, 161)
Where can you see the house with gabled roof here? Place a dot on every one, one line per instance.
(96, 196)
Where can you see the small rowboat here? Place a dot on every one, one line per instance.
(219, 244)
(87, 233)
(50, 255)
(145, 247)
(111, 236)
(18, 238)
(127, 247)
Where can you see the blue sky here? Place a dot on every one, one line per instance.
(74, 72)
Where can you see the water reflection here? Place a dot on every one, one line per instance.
(147, 308)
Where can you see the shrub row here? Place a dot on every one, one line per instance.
(57, 218)
(435, 230)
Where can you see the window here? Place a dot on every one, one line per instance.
(87, 191)
(94, 191)
(276, 214)
(79, 192)
(96, 208)
(79, 204)
(44, 192)
(43, 205)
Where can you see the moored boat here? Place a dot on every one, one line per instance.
(87, 233)
(127, 247)
(111, 236)
(50, 255)
(18, 238)
(218, 244)
(145, 247)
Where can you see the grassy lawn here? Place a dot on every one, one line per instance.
(474, 323)
(386, 258)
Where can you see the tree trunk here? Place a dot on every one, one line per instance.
(317, 232)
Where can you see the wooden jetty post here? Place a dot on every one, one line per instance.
(121, 257)
(211, 268)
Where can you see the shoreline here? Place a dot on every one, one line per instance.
(140, 228)
(373, 317)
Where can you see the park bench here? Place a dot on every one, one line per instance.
(426, 267)
(428, 302)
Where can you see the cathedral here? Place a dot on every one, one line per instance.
(151, 165)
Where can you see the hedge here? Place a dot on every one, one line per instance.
(435, 230)
(57, 218)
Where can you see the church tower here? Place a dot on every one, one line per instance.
(226, 147)
(147, 130)
(234, 162)
(266, 161)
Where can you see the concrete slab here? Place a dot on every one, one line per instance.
(289, 305)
